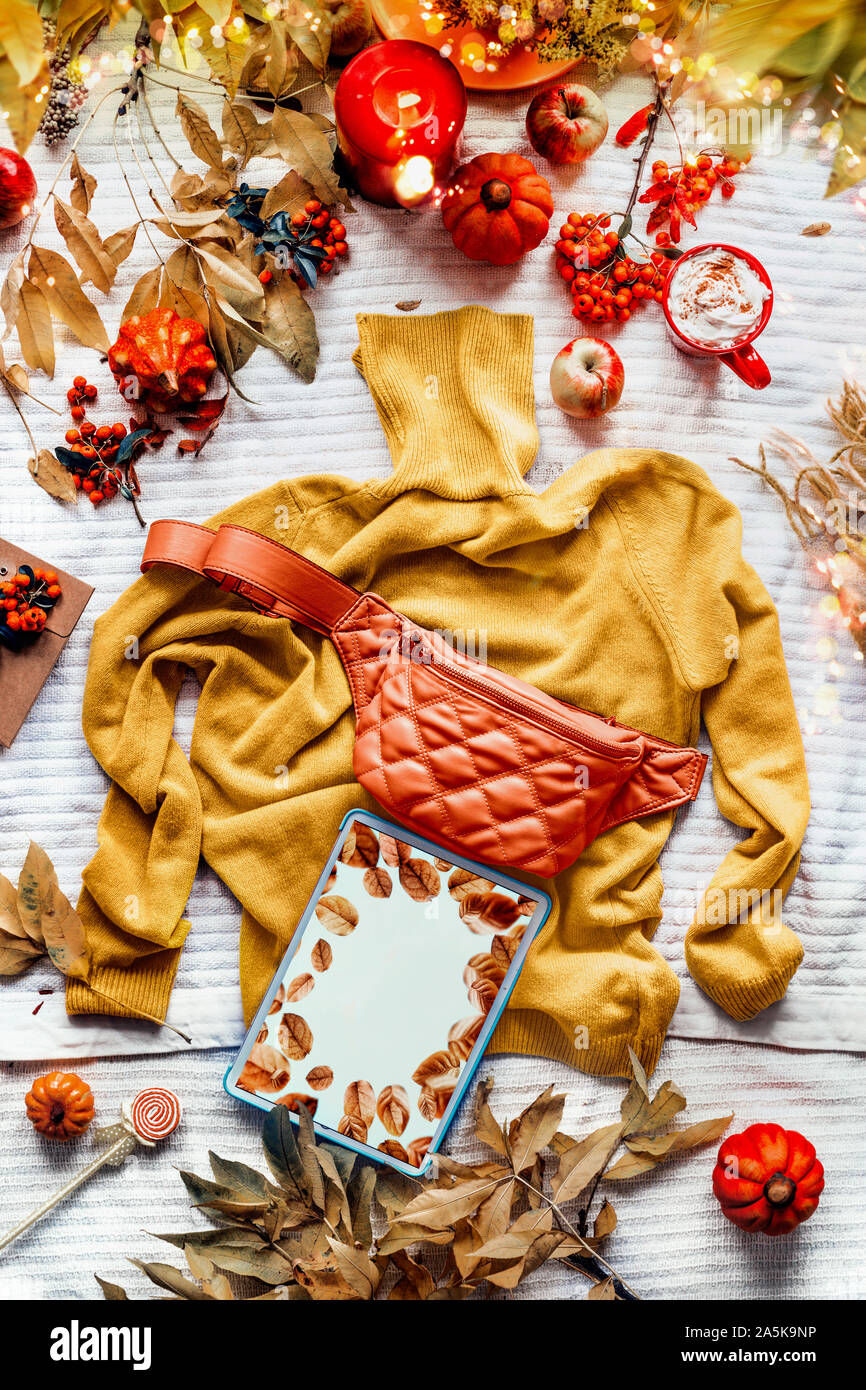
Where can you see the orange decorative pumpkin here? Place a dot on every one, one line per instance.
(497, 208)
(162, 359)
(60, 1105)
(768, 1179)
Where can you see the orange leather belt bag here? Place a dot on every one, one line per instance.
(480, 762)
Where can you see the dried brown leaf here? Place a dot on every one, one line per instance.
(436, 1208)
(488, 912)
(66, 299)
(394, 852)
(306, 148)
(486, 1127)
(359, 1101)
(86, 246)
(323, 1280)
(201, 136)
(581, 1163)
(534, 1128)
(407, 305)
(605, 1222)
(631, 1165)
(677, 1141)
(320, 1078)
(321, 955)
(462, 882)
(602, 1292)
(83, 186)
(290, 326)
(35, 333)
(463, 1035)
(392, 1107)
(667, 1102)
(419, 879)
(337, 914)
(378, 882)
(50, 474)
(277, 1001)
(432, 1104)
(299, 988)
(356, 1268)
(265, 1070)
(816, 229)
(418, 1149)
(288, 195)
(439, 1071)
(47, 915)
(295, 1036)
(120, 244)
(366, 847)
(352, 1126)
(503, 950)
(297, 1102)
(144, 296)
(394, 1149)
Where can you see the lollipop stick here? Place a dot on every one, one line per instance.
(81, 1176)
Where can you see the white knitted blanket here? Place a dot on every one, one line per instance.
(53, 791)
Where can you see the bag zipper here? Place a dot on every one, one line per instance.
(528, 710)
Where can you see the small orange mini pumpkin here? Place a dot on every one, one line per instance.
(768, 1179)
(166, 359)
(60, 1105)
(497, 208)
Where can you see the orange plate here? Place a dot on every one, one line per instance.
(403, 19)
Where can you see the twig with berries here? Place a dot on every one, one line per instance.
(306, 244)
(677, 192)
(605, 280)
(100, 458)
(25, 602)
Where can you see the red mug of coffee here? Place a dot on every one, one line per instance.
(742, 358)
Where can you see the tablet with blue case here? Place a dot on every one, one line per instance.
(394, 979)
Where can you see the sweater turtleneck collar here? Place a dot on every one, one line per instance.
(454, 394)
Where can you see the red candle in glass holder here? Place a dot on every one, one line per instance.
(400, 108)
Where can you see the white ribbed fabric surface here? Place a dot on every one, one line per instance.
(53, 791)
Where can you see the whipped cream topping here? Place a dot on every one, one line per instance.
(715, 298)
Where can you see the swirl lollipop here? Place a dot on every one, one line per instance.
(152, 1115)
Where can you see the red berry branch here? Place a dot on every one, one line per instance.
(677, 192)
(605, 281)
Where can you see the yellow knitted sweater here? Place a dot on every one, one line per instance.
(621, 589)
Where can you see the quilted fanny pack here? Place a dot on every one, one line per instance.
(480, 762)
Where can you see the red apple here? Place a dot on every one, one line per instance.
(17, 189)
(351, 26)
(566, 123)
(586, 378)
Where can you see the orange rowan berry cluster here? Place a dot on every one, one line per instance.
(25, 600)
(99, 456)
(313, 239)
(677, 192)
(606, 283)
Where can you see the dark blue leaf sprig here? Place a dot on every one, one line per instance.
(276, 234)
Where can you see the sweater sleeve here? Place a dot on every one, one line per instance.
(723, 632)
(149, 835)
(165, 625)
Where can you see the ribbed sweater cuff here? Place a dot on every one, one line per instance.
(144, 988)
(537, 1035)
(746, 998)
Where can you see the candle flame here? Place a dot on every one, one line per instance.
(415, 180)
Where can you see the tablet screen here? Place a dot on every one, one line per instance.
(386, 990)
